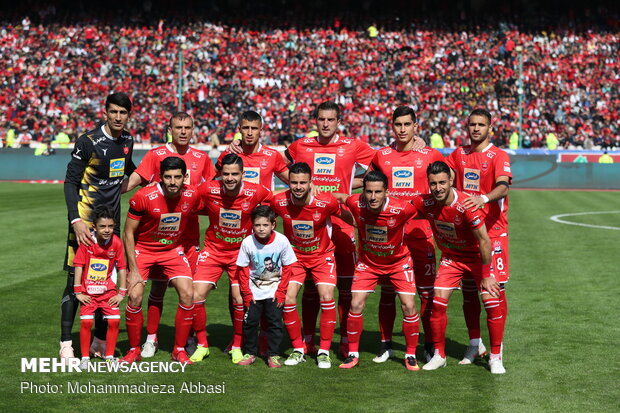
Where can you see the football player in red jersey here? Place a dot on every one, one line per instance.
(483, 172)
(381, 220)
(260, 163)
(307, 224)
(406, 172)
(200, 169)
(228, 203)
(465, 251)
(157, 217)
(333, 160)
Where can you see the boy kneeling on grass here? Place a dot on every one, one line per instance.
(263, 271)
(96, 289)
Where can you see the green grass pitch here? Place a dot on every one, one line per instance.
(560, 352)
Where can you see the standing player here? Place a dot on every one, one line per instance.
(483, 172)
(95, 288)
(99, 161)
(200, 169)
(157, 217)
(333, 160)
(380, 221)
(260, 163)
(465, 251)
(406, 172)
(228, 203)
(307, 221)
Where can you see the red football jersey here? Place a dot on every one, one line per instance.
(229, 217)
(259, 167)
(406, 172)
(452, 224)
(381, 235)
(162, 219)
(98, 262)
(333, 165)
(307, 227)
(199, 169)
(476, 174)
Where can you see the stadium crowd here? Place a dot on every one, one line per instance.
(52, 75)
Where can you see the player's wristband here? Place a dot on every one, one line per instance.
(75, 220)
(486, 270)
(78, 289)
(485, 198)
(122, 292)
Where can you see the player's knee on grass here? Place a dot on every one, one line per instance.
(326, 292)
(200, 291)
(185, 291)
(135, 295)
(358, 302)
(408, 305)
(291, 294)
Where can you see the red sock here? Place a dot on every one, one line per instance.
(328, 323)
(344, 307)
(292, 323)
(426, 305)
(387, 313)
(355, 327)
(200, 323)
(153, 313)
(111, 336)
(495, 323)
(183, 321)
(504, 306)
(439, 322)
(134, 319)
(411, 331)
(86, 326)
(237, 325)
(471, 308)
(310, 309)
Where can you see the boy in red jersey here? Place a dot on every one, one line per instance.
(406, 172)
(228, 203)
(155, 222)
(96, 288)
(200, 169)
(381, 221)
(260, 163)
(483, 172)
(333, 159)
(307, 224)
(465, 251)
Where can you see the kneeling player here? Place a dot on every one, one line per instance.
(465, 251)
(96, 288)
(380, 221)
(156, 219)
(263, 268)
(306, 220)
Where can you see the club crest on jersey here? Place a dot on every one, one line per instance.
(324, 164)
(185, 207)
(194, 166)
(98, 269)
(229, 218)
(376, 234)
(264, 164)
(316, 216)
(125, 150)
(303, 229)
(485, 165)
(111, 254)
(245, 205)
(117, 167)
(341, 151)
(471, 180)
(402, 177)
(170, 222)
(418, 163)
(391, 222)
(446, 229)
(458, 220)
(251, 175)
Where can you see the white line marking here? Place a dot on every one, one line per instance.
(556, 218)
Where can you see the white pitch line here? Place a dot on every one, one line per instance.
(556, 218)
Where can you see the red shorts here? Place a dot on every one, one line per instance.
(453, 269)
(501, 265)
(171, 264)
(87, 311)
(211, 265)
(400, 276)
(322, 269)
(191, 253)
(343, 237)
(422, 252)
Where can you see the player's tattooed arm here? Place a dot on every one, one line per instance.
(475, 202)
